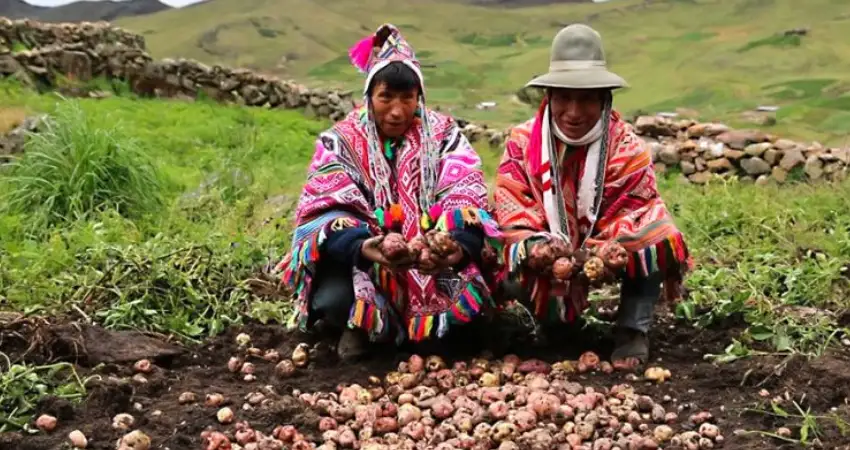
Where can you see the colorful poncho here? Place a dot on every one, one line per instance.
(434, 180)
(625, 206)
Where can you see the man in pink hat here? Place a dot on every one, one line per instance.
(390, 165)
(576, 180)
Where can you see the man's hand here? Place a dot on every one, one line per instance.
(371, 250)
(435, 264)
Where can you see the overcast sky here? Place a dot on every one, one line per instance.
(62, 2)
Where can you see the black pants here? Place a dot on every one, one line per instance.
(333, 293)
(637, 300)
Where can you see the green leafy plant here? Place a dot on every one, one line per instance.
(23, 385)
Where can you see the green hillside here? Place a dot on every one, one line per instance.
(720, 58)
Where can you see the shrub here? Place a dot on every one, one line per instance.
(74, 167)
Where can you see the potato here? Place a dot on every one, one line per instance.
(215, 440)
(588, 361)
(300, 355)
(614, 255)
(534, 365)
(394, 247)
(415, 364)
(442, 243)
(434, 363)
(594, 268)
(386, 425)
(45, 423)
(416, 246)
(541, 257)
(563, 269)
(285, 368)
(78, 439)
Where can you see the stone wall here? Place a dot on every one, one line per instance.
(701, 150)
(31, 34)
(87, 51)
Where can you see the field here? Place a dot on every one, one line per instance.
(717, 58)
(175, 211)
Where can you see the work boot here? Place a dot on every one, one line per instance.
(631, 349)
(352, 344)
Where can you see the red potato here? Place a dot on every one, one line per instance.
(414, 430)
(394, 247)
(442, 408)
(45, 423)
(143, 366)
(524, 420)
(416, 246)
(541, 257)
(215, 440)
(285, 433)
(214, 400)
(347, 438)
(562, 269)
(535, 366)
(243, 437)
(588, 361)
(441, 243)
(416, 364)
(234, 364)
(386, 425)
(538, 383)
(498, 410)
(271, 355)
(327, 423)
(614, 255)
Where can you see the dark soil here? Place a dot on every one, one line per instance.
(821, 385)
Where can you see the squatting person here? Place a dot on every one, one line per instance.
(576, 177)
(391, 166)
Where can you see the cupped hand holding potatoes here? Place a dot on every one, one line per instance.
(429, 253)
(552, 257)
(388, 250)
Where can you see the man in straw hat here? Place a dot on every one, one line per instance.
(391, 167)
(575, 183)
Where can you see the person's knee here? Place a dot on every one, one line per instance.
(512, 290)
(333, 294)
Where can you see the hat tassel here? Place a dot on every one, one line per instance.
(361, 52)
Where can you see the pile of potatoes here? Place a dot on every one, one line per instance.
(485, 404)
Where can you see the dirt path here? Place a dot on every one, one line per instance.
(696, 385)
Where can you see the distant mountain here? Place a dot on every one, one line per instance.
(523, 3)
(80, 11)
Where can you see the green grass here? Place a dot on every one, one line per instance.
(228, 179)
(669, 51)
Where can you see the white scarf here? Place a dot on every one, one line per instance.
(554, 207)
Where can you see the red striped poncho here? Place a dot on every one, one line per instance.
(631, 212)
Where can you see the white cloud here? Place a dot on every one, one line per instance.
(175, 3)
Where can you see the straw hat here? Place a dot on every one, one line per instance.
(577, 61)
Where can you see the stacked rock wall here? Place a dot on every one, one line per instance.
(700, 150)
(31, 34)
(97, 50)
